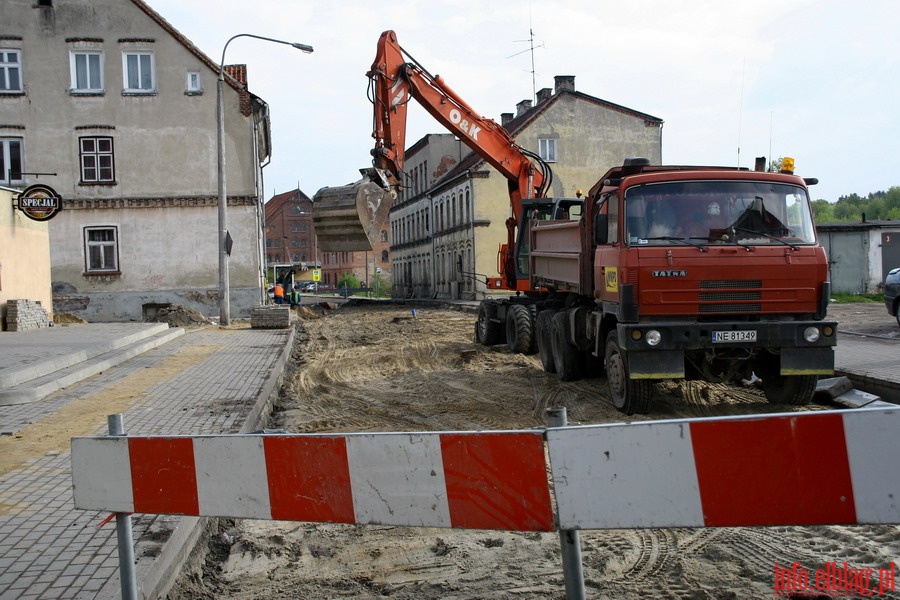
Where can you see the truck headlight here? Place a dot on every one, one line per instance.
(653, 338)
(811, 334)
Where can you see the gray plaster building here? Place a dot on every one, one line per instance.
(455, 205)
(104, 101)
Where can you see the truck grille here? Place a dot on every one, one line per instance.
(730, 308)
(730, 284)
(728, 294)
(723, 296)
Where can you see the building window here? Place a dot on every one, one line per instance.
(193, 83)
(10, 160)
(87, 71)
(547, 149)
(97, 164)
(10, 71)
(101, 247)
(138, 68)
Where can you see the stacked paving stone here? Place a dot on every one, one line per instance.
(22, 315)
(271, 317)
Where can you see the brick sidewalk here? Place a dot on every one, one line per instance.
(48, 549)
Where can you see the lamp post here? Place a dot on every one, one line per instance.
(224, 250)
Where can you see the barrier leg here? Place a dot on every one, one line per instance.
(569, 539)
(127, 576)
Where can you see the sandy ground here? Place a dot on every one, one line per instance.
(365, 369)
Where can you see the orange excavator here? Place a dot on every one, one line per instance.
(349, 218)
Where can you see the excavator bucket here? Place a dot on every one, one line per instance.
(350, 218)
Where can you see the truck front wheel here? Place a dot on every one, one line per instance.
(796, 390)
(630, 396)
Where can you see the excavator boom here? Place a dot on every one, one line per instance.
(347, 218)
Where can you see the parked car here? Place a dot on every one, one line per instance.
(892, 293)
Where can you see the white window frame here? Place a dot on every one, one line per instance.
(193, 83)
(6, 159)
(94, 81)
(141, 68)
(101, 256)
(547, 149)
(8, 67)
(96, 160)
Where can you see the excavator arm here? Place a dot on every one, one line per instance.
(349, 217)
(396, 76)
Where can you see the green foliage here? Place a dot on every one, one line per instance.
(348, 280)
(877, 206)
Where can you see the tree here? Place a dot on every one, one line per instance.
(348, 280)
(823, 211)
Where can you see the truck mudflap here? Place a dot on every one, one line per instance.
(666, 364)
(657, 350)
(807, 361)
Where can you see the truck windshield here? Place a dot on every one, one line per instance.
(721, 212)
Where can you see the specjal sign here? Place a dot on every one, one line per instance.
(39, 202)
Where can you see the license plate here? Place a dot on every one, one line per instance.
(719, 337)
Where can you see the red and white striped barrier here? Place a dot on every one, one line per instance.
(796, 469)
(495, 480)
(835, 467)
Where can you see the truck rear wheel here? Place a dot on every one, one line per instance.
(519, 329)
(542, 333)
(487, 330)
(630, 396)
(796, 390)
(566, 357)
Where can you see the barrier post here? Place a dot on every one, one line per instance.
(127, 577)
(569, 539)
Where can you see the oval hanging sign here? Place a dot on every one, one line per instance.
(40, 202)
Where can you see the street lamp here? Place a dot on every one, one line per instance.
(224, 249)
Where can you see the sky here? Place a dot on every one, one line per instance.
(817, 80)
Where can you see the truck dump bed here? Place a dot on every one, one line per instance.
(556, 259)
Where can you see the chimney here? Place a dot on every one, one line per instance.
(564, 83)
(505, 118)
(523, 107)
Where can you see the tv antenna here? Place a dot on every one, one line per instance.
(531, 47)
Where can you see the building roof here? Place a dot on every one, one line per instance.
(276, 203)
(857, 225)
(184, 41)
(516, 125)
